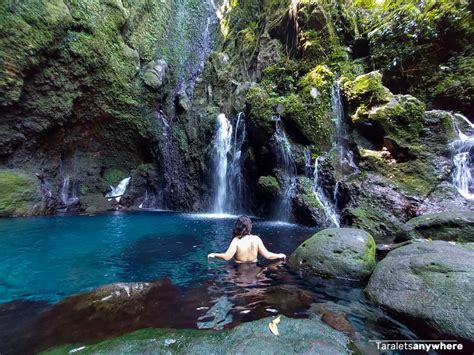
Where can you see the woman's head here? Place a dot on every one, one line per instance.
(242, 227)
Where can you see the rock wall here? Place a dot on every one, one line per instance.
(100, 90)
(84, 86)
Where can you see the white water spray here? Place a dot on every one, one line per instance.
(222, 146)
(236, 201)
(287, 163)
(118, 191)
(329, 208)
(463, 158)
(68, 192)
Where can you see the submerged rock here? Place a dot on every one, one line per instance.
(451, 226)
(296, 336)
(336, 252)
(112, 310)
(431, 281)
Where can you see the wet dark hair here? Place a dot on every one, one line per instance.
(242, 227)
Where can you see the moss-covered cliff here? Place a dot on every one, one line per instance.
(99, 90)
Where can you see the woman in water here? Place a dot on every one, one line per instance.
(244, 246)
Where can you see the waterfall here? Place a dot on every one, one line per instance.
(222, 147)
(229, 185)
(118, 191)
(236, 182)
(285, 162)
(344, 165)
(328, 206)
(463, 158)
(68, 192)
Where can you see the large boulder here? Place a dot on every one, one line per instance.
(455, 226)
(19, 193)
(296, 336)
(430, 281)
(336, 252)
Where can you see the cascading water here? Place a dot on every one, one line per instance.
(328, 205)
(222, 147)
(285, 162)
(229, 185)
(68, 192)
(236, 201)
(463, 157)
(118, 191)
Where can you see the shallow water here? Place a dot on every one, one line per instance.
(47, 259)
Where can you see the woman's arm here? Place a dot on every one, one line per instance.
(228, 254)
(267, 254)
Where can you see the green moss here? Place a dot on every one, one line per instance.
(18, 193)
(367, 89)
(114, 176)
(262, 108)
(307, 194)
(269, 185)
(320, 77)
(414, 177)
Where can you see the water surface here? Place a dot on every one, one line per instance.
(46, 259)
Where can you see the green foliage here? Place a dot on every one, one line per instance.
(321, 77)
(114, 176)
(18, 193)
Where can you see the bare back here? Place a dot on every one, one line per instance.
(247, 248)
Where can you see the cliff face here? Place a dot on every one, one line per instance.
(93, 91)
(88, 87)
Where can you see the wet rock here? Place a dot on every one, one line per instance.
(338, 322)
(154, 74)
(451, 226)
(376, 206)
(429, 281)
(184, 102)
(296, 336)
(93, 203)
(336, 252)
(269, 186)
(444, 197)
(112, 310)
(307, 209)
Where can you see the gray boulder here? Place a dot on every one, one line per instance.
(296, 336)
(154, 73)
(336, 252)
(431, 281)
(452, 226)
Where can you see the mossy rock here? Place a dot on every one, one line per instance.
(431, 281)
(19, 193)
(366, 89)
(414, 177)
(401, 119)
(269, 186)
(307, 208)
(336, 252)
(455, 226)
(296, 336)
